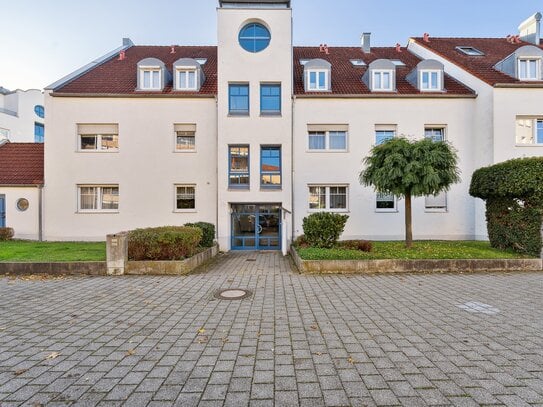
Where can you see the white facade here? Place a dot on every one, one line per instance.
(20, 115)
(24, 221)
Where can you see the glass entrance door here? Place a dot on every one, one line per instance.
(256, 227)
(2, 211)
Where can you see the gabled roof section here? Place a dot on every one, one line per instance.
(119, 77)
(22, 164)
(347, 78)
(495, 50)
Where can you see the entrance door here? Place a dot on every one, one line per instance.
(2, 211)
(256, 227)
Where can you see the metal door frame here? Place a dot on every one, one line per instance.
(256, 236)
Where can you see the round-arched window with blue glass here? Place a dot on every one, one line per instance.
(40, 111)
(254, 37)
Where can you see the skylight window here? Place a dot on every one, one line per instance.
(358, 62)
(473, 52)
(397, 62)
(201, 61)
(304, 61)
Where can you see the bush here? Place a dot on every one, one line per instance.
(323, 229)
(362, 245)
(208, 232)
(301, 241)
(163, 243)
(6, 233)
(513, 191)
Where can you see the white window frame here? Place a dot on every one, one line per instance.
(98, 148)
(187, 210)
(144, 69)
(381, 72)
(528, 71)
(470, 51)
(327, 148)
(186, 150)
(382, 127)
(434, 127)
(327, 198)
(534, 121)
(185, 86)
(429, 72)
(99, 208)
(318, 72)
(386, 210)
(431, 209)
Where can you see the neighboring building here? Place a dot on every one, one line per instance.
(255, 134)
(21, 183)
(22, 116)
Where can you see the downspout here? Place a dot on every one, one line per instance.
(217, 168)
(292, 118)
(40, 212)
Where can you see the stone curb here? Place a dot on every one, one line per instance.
(412, 266)
(93, 268)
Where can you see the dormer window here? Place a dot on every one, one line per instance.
(150, 78)
(318, 80)
(186, 79)
(188, 76)
(317, 75)
(529, 69)
(430, 80)
(382, 80)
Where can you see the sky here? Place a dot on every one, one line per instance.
(42, 41)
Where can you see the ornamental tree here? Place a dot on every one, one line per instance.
(410, 168)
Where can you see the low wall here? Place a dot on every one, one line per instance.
(171, 267)
(94, 268)
(412, 266)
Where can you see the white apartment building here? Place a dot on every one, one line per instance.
(255, 134)
(22, 115)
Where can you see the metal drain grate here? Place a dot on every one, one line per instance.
(232, 294)
(250, 260)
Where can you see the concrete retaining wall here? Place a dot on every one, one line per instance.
(95, 268)
(412, 266)
(171, 267)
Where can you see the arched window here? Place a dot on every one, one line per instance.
(254, 37)
(40, 111)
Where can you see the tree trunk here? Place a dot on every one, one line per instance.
(408, 223)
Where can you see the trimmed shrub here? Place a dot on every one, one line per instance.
(362, 245)
(208, 232)
(6, 233)
(301, 241)
(513, 191)
(323, 229)
(163, 243)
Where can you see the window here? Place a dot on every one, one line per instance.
(239, 167)
(327, 140)
(270, 99)
(185, 197)
(238, 99)
(254, 37)
(186, 79)
(102, 198)
(357, 62)
(397, 62)
(98, 137)
(328, 198)
(384, 133)
(318, 80)
(39, 133)
(528, 69)
(385, 203)
(529, 130)
(40, 111)
(185, 137)
(470, 51)
(382, 80)
(436, 203)
(430, 80)
(270, 167)
(150, 78)
(435, 133)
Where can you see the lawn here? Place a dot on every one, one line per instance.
(31, 251)
(422, 249)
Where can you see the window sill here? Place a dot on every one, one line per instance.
(270, 114)
(97, 212)
(386, 211)
(241, 114)
(185, 211)
(329, 210)
(271, 189)
(185, 151)
(97, 151)
(435, 210)
(326, 151)
(529, 145)
(230, 188)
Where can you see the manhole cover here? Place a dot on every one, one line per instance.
(232, 294)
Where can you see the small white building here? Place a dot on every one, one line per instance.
(22, 116)
(254, 134)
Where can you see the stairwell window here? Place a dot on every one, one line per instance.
(529, 131)
(529, 69)
(239, 167)
(270, 167)
(238, 99)
(98, 198)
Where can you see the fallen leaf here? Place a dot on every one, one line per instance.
(53, 355)
(314, 327)
(203, 339)
(224, 340)
(130, 352)
(318, 353)
(351, 360)
(20, 372)
(201, 330)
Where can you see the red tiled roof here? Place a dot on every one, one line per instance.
(347, 78)
(482, 67)
(120, 77)
(21, 164)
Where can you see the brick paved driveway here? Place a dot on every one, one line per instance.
(300, 340)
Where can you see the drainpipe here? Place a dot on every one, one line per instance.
(40, 213)
(292, 205)
(217, 168)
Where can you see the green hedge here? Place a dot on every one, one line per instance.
(163, 243)
(323, 229)
(208, 231)
(513, 191)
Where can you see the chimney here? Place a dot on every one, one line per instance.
(366, 43)
(529, 29)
